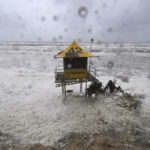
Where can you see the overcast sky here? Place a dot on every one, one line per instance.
(80, 20)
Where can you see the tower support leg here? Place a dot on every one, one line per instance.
(65, 90)
(81, 87)
(85, 88)
(62, 88)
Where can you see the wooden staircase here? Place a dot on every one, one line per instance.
(90, 77)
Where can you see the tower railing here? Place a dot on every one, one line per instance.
(92, 70)
(59, 68)
(92, 74)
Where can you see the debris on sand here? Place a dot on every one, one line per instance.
(130, 101)
(94, 88)
(126, 100)
(84, 141)
(108, 140)
(111, 87)
(37, 147)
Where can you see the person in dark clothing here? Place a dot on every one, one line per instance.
(94, 88)
(112, 88)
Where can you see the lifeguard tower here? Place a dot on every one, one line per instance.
(75, 68)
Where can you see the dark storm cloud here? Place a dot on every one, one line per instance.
(104, 20)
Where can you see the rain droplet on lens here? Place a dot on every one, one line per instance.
(121, 45)
(104, 5)
(60, 37)
(110, 29)
(99, 112)
(83, 11)
(23, 26)
(110, 64)
(22, 35)
(126, 10)
(15, 47)
(123, 24)
(5, 15)
(106, 45)
(39, 39)
(79, 39)
(65, 29)
(29, 86)
(19, 18)
(55, 17)
(42, 18)
(96, 11)
(89, 30)
(54, 39)
(148, 76)
(99, 42)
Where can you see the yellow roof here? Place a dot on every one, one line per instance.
(74, 50)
